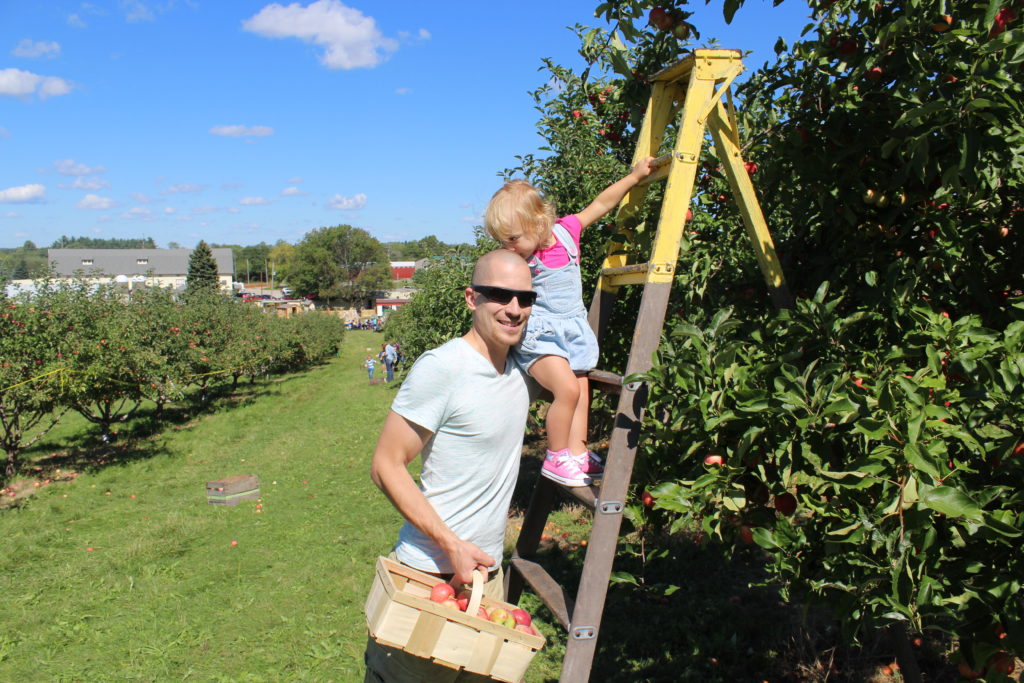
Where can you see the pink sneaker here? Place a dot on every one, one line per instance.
(590, 463)
(563, 468)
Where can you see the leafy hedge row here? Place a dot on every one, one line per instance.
(103, 352)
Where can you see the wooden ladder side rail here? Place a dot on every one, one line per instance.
(660, 111)
(725, 133)
(604, 536)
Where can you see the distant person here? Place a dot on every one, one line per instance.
(390, 358)
(462, 408)
(369, 364)
(558, 347)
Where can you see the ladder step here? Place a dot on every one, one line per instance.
(609, 382)
(547, 589)
(585, 495)
(632, 269)
(663, 165)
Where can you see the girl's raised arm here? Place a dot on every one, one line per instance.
(613, 194)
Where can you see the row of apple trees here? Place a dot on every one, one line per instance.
(871, 440)
(104, 352)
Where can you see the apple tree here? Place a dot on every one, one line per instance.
(869, 439)
(30, 376)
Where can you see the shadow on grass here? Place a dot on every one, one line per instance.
(133, 439)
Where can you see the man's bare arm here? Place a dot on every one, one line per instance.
(400, 442)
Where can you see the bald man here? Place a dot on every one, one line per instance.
(463, 409)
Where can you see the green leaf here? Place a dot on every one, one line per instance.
(873, 429)
(920, 460)
(623, 577)
(950, 502)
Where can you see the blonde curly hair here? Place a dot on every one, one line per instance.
(519, 208)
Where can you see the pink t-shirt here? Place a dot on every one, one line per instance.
(556, 256)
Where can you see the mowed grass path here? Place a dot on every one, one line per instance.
(163, 595)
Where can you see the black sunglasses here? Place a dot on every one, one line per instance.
(500, 295)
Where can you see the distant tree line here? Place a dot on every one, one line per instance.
(340, 264)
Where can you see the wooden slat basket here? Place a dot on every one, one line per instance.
(400, 614)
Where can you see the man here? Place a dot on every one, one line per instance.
(390, 357)
(463, 408)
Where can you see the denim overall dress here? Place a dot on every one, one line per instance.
(558, 324)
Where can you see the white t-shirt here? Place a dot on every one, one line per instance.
(471, 462)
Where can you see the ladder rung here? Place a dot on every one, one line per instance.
(586, 495)
(547, 589)
(607, 381)
(631, 269)
(663, 165)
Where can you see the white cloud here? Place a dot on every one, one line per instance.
(294, 181)
(23, 194)
(353, 203)
(253, 201)
(141, 198)
(135, 11)
(201, 210)
(94, 201)
(18, 83)
(75, 20)
(86, 184)
(138, 213)
(71, 167)
(169, 210)
(403, 91)
(29, 48)
(292, 192)
(242, 131)
(13, 214)
(422, 34)
(234, 209)
(182, 187)
(349, 38)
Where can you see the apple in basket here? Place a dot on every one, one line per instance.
(481, 613)
(526, 628)
(500, 616)
(441, 592)
(522, 617)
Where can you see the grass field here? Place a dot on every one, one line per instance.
(120, 570)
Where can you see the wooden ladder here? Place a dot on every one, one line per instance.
(699, 86)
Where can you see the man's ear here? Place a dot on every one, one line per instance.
(470, 298)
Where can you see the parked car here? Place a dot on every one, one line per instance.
(286, 291)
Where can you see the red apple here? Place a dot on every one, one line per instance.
(441, 592)
(713, 460)
(498, 615)
(967, 672)
(848, 47)
(463, 603)
(689, 215)
(647, 499)
(943, 24)
(746, 534)
(522, 617)
(785, 504)
(481, 613)
(874, 73)
(660, 18)
(526, 628)
(1001, 662)
(450, 603)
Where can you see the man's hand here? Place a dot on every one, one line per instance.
(465, 557)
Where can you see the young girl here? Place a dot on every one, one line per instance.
(558, 346)
(369, 365)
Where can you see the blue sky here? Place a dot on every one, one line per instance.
(239, 122)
